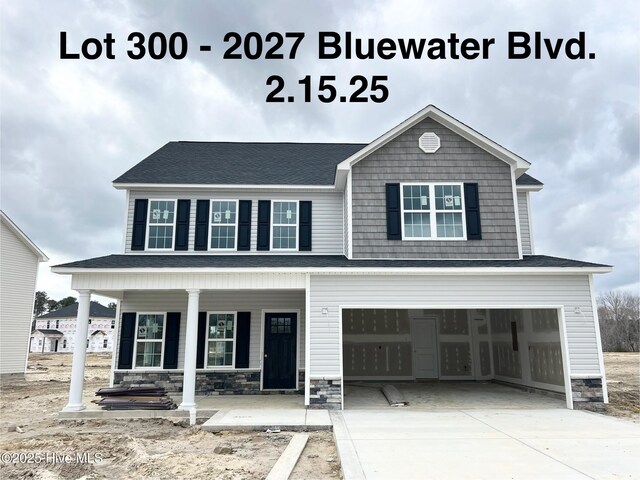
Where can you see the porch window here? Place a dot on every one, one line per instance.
(224, 224)
(162, 223)
(221, 339)
(149, 340)
(425, 206)
(284, 230)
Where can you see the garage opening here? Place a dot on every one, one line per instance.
(453, 358)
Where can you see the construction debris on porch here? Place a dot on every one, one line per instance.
(134, 398)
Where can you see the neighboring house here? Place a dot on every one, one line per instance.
(55, 331)
(19, 260)
(283, 267)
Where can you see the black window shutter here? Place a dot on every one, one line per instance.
(171, 339)
(139, 223)
(202, 225)
(127, 338)
(202, 333)
(264, 224)
(243, 328)
(304, 242)
(182, 224)
(394, 229)
(472, 211)
(244, 225)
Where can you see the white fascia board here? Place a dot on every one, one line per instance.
(529, 188)
(23, 237)
(520, 164)
(348, 271)
(230, 186)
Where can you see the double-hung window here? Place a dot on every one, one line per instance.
(224, 224)
(433, 211)
(221, 334)
(149, 340)
(284, 225)
(162, 224)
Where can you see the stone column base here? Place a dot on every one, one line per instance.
(325, 394)
(587, 394)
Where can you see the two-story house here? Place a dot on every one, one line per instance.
(56, 331)
(272, 267)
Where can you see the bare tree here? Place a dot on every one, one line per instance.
(619, 314)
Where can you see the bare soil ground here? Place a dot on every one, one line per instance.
(623, 382)
(116, 449)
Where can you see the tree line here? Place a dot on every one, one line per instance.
(619, 315)
(43, 304)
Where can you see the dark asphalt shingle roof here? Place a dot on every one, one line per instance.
(526, 179)
(250, 163)
(310, 261)
(96, 310)
(48, 331)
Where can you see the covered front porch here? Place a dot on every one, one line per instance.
(239, 335)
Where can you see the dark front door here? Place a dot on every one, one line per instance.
(280, 342)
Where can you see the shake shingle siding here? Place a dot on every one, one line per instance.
(457, 160)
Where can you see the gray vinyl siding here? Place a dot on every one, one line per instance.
(253, 301)
(450, 291)
(18, 272)
(523, 216)
(327, 215)
(457, 160)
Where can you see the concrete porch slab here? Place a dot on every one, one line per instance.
(298, 419)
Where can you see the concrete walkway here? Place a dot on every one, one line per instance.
(299, 419)
(491, 444)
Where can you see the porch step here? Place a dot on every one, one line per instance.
(298, 419)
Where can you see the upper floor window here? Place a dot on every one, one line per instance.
(113, 324)
(162, 223)
(149, 340)
(57, 323)
(432, 211)
(48, 324)
(284, 225)
(224, 224)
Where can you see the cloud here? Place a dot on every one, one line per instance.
(70, 127)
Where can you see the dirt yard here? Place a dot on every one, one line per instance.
(623, 381)
(129, 448)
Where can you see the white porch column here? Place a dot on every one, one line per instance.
(79, 353)
(190, 349)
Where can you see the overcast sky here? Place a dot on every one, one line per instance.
(69, 127)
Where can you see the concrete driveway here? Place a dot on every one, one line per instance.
(485, 443)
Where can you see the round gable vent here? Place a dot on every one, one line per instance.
(429, 142)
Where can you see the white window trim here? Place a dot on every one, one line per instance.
(207, 340)
(135, 342)
(297, 225)
(432, 212)
(211, 224)
(175, 217)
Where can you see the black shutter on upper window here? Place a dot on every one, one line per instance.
(244, 225)
(127, 339)
(243, 330)
(394, 229)
(182, 224)
(202, 225)
(264, 224)
(202, 333)
(171, 340)
(138, 233)
(472, 211)
(304, 227)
